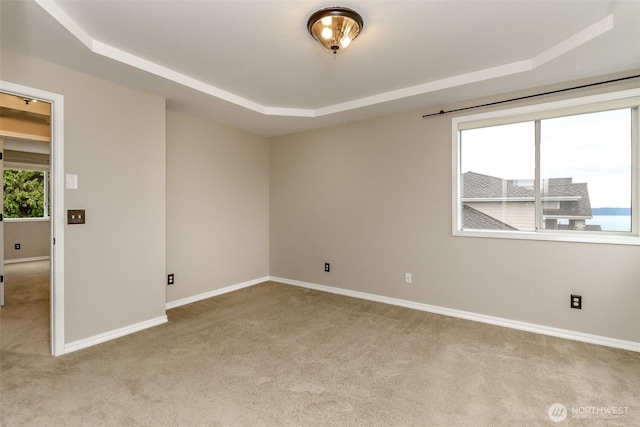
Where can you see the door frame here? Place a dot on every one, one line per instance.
(2, 213)
(57, 206)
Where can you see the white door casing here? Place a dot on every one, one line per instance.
(2, 226)
(56, 208)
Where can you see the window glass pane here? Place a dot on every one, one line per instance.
(24, 193)
(497, 167)
(585, 170)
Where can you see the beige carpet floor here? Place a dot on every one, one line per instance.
(277, 355)
(25, 318)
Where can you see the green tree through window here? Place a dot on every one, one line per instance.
(24, 193)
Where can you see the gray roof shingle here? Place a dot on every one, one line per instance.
(474, 219)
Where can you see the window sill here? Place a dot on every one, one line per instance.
(46, 219)
(577, 237)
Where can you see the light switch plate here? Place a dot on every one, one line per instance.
(75, 216)
(71, 182)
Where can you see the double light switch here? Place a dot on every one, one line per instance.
(75, 216)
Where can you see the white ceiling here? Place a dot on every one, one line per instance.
(252, 65)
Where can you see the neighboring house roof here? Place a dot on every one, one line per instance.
(473, 218)
(573, 197)
(579, 208)
(479, 186)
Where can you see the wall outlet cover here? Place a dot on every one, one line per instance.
(576, 302)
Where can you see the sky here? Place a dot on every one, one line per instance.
(593, 148)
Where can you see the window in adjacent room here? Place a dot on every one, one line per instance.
(26, 193)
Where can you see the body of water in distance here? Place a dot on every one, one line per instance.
(612, 222)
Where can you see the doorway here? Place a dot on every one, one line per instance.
(55, 199)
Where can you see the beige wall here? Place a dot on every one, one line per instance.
(217, 206)
(167, 193)
(33, 237)
(374, 200)
(114, 140)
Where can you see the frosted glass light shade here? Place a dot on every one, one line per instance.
(335, 27)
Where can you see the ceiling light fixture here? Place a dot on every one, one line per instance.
(27, 101)
(335, 27)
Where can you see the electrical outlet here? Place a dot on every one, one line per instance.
(17, 246)
(576, 302)
(327, 267)
(170, 279)
(407, 278)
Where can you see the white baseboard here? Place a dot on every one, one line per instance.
(35, 258)
(215, 292)
(492, 320)
(111, 335)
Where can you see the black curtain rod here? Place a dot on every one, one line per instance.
(442, 112)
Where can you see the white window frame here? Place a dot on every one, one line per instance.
(594, 103)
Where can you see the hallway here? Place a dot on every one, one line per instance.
(25, 318)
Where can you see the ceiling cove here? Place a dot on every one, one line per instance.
(585, 35)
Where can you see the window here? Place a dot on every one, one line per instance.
(26, 193)
(560, 171)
